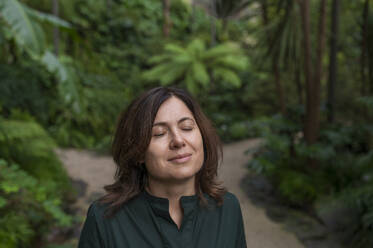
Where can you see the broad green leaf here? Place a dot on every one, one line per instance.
(43, 17)
(67, 85)
(40, 34)
(228, 76)
(51, 62)
(221, 50)
(200, 73)
(172, 75)
(156, 72)
(159, 58)
(14, 14)
(238, 63)
(191, 84)
(182, 58)
(197, 46)
(172, 48)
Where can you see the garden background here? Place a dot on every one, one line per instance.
(296, 73)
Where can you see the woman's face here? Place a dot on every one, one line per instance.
(175, 152)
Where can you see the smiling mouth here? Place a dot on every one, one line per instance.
(181, 159)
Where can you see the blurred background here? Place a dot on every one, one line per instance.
(296, 76)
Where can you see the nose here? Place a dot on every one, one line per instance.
(177, 141)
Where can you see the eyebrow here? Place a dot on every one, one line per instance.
(165, 123)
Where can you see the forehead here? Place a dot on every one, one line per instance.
(172, 109)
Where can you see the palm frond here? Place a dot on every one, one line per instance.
(23, 29)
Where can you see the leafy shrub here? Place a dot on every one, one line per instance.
(27, 204)
(34, 187)
(344, 168)
(28, 144)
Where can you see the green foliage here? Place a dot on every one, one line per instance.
(34, 187)
(26, 203)
(36, 100)
(191, 66)
(27, 144)
(297, 187)
(341, 154)
(24, 27)
(344, 169)
(360, 199)
(27, 33)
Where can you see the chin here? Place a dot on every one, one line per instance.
(185, 173)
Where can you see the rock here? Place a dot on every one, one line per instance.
(80, 186)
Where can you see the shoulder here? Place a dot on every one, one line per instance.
(104, 212)
(97, 210)
(230, 203)
(230, 200)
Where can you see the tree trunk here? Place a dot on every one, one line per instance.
(364, 46)
(166, 18)
(264, 7)
(56, 31)
(309, 124)
(318, 71)
(333, 59)
(298, 83)
(313, 82)
(370, 74)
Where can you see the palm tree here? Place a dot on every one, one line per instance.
(282, 38)
(190, 66)
(223, 10)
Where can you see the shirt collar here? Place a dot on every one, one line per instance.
(160, 205)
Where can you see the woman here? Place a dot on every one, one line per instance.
(166, 192)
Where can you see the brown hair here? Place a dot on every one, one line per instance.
(132, 138)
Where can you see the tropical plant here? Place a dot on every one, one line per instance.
(196, 66)
(281, 38)
(27, 203)
(23, 25)
(34, 188)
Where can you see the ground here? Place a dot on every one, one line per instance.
(93, 172)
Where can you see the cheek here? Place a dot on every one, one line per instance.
(152, 156)
(199, 146)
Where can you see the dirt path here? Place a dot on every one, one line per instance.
(97, 171)
(261, 232)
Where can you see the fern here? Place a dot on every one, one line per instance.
(361, 200)
(27, 144)
(191, 65)
(27, 203)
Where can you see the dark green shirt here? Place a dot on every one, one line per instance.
(145, 222)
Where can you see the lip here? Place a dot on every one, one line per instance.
(181, 158)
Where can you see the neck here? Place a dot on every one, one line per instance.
(173, 192)
(169, 190)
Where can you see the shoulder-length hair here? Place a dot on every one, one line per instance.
(132, 138)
